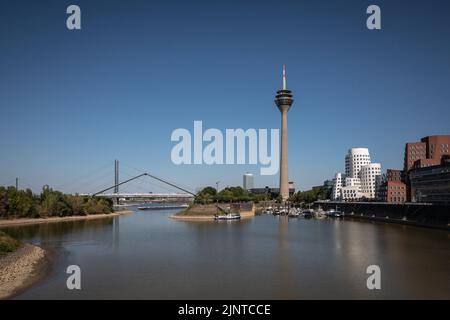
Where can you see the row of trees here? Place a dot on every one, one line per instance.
(238, 194)
(49, 203)
(229, 194)
(309, 196)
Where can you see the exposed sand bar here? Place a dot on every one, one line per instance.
(192, 218)
(28, 221)
(184, 217)
(21, 269)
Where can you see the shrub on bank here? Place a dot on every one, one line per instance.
(7, 244)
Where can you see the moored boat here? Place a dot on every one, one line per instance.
(308, 213)
(228, 216)
(334, 213)
(293, 213)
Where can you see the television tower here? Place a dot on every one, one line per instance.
(284, 100)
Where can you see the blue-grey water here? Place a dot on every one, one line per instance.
(147, 255)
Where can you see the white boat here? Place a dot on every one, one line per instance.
(293, 213)
(334, 213)
(320, 214)
(228, 216)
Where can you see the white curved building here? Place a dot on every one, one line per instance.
(338, 183)
(359, 179)
(355, 159)
(368, 175)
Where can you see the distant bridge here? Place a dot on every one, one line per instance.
(186, 195)
(140, 196)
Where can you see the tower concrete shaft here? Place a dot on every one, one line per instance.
(284, 101)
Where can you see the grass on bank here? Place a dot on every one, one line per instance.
(199, 210)
(7, 244)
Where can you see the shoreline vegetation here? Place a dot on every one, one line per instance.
(21, 265)
(22, 207)
(49, 203)
(234, 199)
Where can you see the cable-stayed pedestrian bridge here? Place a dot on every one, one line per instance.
(146, 196)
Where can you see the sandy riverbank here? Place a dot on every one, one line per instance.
(21, 269)
(192, 218)
(28, 221)
(244, 215)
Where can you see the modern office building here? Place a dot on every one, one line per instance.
(350, 193)
(273, 192)
(360, 177)
(248, 181)
(284, 100)
(428, 152)
(367, 175)
(390, 187)
(431, 184)
(338, 183)
(355, 159)
(394, 175)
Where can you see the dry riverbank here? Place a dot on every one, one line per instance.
(207, 212)
(28, 221)
(21, 269)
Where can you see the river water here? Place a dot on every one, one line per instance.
(147, 255)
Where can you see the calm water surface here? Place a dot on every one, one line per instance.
(146, 255)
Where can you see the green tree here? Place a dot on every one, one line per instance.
(206, 195)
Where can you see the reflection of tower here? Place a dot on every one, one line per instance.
(286, 272)
(284, 100)
(116, 231)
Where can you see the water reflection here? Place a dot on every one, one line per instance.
(56, 234)
(147, 255)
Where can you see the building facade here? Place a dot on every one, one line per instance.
(394, 175)
(359, 180)
(368, 174)
(428, 152)
(392, 192)
(355, 159)
(338, 183)
(431, 184)
(390, 187)
(269, 191)
(248, 181)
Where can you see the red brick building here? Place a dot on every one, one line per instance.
(430, 151)
(392, 188)
(395, 192)
(394, 175)
(414, 151)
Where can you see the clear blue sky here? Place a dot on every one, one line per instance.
(72, 102)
